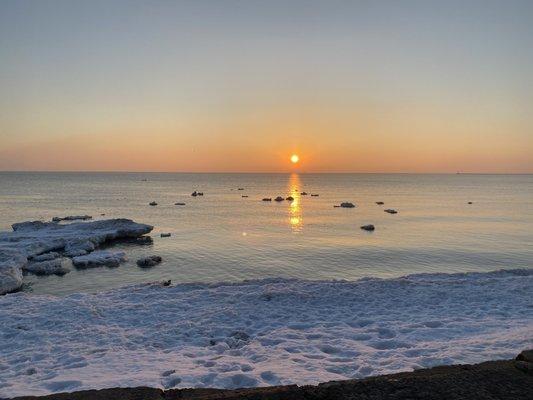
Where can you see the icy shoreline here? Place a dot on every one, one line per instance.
(48, 247)
(259, 333)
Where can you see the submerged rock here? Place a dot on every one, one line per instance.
(56, 266)
(314, 195)
(103, 258)
(347, 205)
(368, 227)
(290, 198)
(149, 261)
(279, 198)
(391, 211)
(379, 203)
(153, 203)
(244, 196)
(194, 194)
(179, 204)
(35, 239)
(303, 194)
(166, 234)
(267, 199)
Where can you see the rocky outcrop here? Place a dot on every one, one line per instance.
(33, 242)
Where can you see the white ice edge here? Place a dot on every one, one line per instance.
(34, 238)
(261, 332)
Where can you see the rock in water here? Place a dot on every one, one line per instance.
(290, 198)
(279, 198)
(149, 261)
(379, 203)
(391, 211)
(36, 239)
(153, 203)
(179, 204)
(267, 199)
(368, 227)
(165, 234)
(526, 355)
(194, 194)
(102, 258)
(314, 195)
(347, 205)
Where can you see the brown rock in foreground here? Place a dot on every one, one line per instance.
(489, 380)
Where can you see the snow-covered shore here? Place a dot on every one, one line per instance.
(256, 333)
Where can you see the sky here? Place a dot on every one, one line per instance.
(240, 86)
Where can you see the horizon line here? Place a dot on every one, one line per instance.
(264, 172)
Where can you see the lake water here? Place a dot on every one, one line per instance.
(223, 236)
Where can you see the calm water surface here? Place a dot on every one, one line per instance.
(225, 237)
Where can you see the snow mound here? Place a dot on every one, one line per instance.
(263, 332)
(35, 238)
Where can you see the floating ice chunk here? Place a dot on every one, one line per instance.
(11, 264)
(56, 266)
(35, 238)
(102, 258)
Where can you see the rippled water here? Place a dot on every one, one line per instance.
(225, 237)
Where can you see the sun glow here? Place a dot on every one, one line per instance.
(295, 158)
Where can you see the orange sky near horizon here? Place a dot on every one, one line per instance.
(207, 87)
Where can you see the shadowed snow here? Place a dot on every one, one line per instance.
(264, 332)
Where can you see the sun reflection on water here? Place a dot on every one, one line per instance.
(295, 208)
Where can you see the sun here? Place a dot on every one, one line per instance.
(295, 158)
